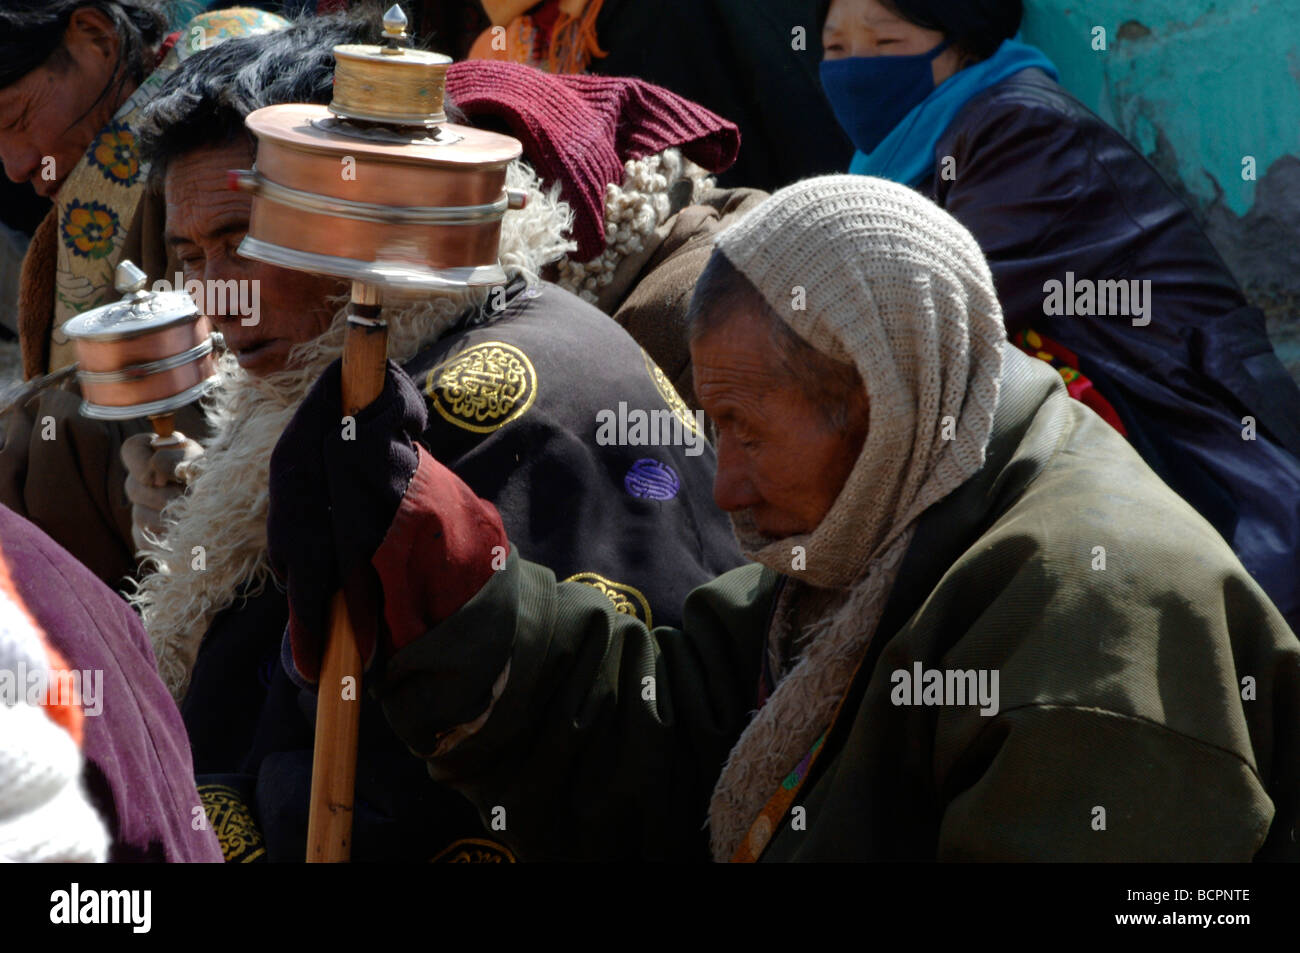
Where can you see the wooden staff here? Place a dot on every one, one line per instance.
(386, 122)
(334, 761)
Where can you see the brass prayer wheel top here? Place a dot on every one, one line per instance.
(390, 83)
(374, 87)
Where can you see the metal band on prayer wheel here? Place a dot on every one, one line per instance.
(421, 210)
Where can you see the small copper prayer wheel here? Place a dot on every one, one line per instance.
(148, 355)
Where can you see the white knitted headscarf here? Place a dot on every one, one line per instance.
(894, 285)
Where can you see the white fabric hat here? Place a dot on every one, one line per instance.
(896, 286)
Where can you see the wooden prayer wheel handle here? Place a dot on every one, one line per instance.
(334, 758)
(164, 430)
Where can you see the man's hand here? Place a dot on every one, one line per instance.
(358, 504)
(155, 477)
(336, 484)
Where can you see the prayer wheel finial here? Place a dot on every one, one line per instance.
(129, 279)
(390, 84)
(395, 36)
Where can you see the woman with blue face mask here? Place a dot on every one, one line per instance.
(895, 82)
(1100, 267)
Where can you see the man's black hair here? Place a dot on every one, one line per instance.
(203, 104)
(31, 35)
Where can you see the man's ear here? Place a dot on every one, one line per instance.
(91, 35)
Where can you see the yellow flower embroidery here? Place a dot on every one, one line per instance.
(114, 154)
(90, 229)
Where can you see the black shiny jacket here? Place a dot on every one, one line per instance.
(1048, 188)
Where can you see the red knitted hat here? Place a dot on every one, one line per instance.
(579, 130)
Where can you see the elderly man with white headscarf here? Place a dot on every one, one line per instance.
(976, 625)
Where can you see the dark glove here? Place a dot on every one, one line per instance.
(335, 487)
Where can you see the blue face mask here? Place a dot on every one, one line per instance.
(870, 95)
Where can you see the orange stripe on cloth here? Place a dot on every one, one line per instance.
(61, 702)
(779, 804)
(573, 42)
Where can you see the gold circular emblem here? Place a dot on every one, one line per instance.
(627, 599)
(484, 387)
(473, 850)
(669, 393)
(232, 822)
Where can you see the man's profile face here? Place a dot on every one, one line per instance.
(206, 221)
(778, 457)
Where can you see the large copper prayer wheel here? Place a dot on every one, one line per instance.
(416, 206)
(378, 187)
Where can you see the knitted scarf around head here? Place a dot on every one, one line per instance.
(892, 284)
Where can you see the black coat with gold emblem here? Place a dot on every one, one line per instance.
(521, 409)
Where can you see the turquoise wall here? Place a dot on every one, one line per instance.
(1218, 80)
(1198, 86)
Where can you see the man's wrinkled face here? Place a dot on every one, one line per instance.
(778, 456)
(206, 221)
(49, 118)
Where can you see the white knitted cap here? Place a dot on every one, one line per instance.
(899, 288)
